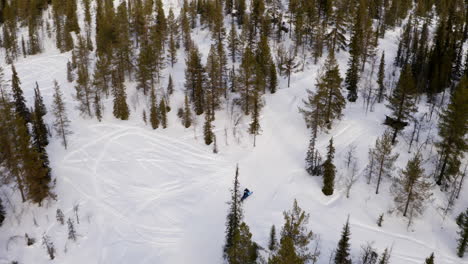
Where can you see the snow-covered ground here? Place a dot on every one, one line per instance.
(159, 196)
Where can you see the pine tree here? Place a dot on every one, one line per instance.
(40, 132)
(83, 91)
(195, 80)
(329, 92)
(2, 213)
(329, 170)
(452, 130)
(71, 230)
(412, 190)
(234, 217)
(233, 43)
(295, 239)
(61, 122)
(247, 79)
(123, 45)
(121, 110)
(273, 243)
(430, 259)
(163, 113)
(273, 79)
(336, 37)
(243, 250)
(154, 113)
(170, 85)
(402, 101)
(70, 76)
(254, 127)
(462, 222)
(187, 115)
(383, 159)
(385, 258)
(20, 103)
(342, 255)
(208, 130)
(381, 78)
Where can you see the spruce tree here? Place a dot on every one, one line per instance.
(342, 255)
(234, 217)
(329, 170)
(254, 127)
(20, 103)
(195, 80)
(385, 258)
(154, 113)
(2, 213)
(381, 78)
(243, 250)
(295, 239)
(462, 222)
(382, 159)
(329, 92)
(430, 259)
(402, 101)
(453, 126)
(412, 189)
(163, 113)
(61, 122)
(121, 110)
(187, 115)
(208, 130)
(170, 85)
(70, 76)
(246, 79)
(273, 243)
(233, 43)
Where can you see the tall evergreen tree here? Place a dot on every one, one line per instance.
(61, 122)
(342, 255)
(329, 170)
(381, 157)
(381, 78)
(121, 110)
(243, 250)
(20, 103)
(412, 190)
(254, 127)
(295, 239)
(329, 92)
(208, 129)
(154, 114)
(2, 213)
(163, 113)
(273, 243)
(453, 126)
(187, 113)
(462, 222)
(195, 80)
(430, 259)
(234, 217)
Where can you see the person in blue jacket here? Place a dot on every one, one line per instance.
(247, 193)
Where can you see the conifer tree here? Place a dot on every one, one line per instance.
(452, 131)
(402, 101)
(70, 76)
(2, 213)
(121, 110)
(195, 80)
(208, 129)
(342, 255)
(412, 189)
(462, 222)
(243, 250)
(246, 79)
(154, 113)
(170, 85)
(273, 79)
(329, 92)
(187, 115)
(234, 217)
(20, 103)
(254, 127)
(336, 37)
(83, 91)
(144, 72)
(123, 45)
(273, 243)
(295, 239)
(233, 43)
(329, 170)
(163, 113)
(61, 122)
(97, 105)
(380, 79)
(430, 259)
(383, 159)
